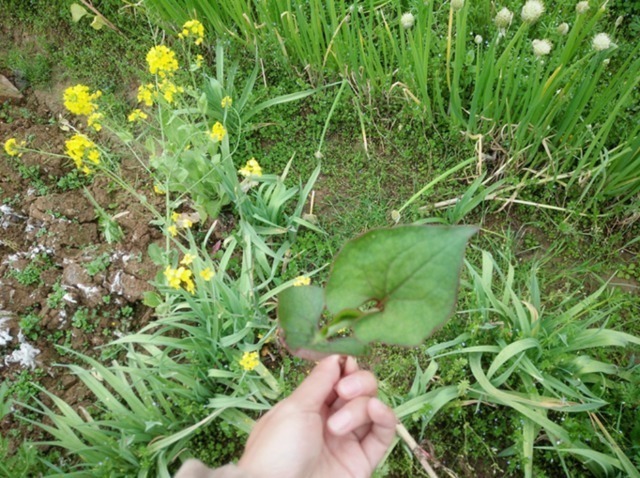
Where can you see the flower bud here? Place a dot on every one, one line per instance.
(532, 11)
(601, 42)
(407, 20)
(541, 47)
(582, 7)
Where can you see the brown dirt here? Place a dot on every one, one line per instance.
(56, 233)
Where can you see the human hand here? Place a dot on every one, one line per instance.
(331, 426)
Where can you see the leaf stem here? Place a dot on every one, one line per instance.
(416, 449)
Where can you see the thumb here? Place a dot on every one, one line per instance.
(313, 392)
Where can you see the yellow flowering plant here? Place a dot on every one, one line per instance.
(210, 312)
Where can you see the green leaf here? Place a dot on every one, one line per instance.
(299, 311)
(151, 299)
(98, 22)
(77, 12)
(410, 272)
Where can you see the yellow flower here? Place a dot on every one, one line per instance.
(175, 216)
(79, 147)
(158, 190)
(199, 60)
(187, 259)
(252, 168)
(301, 280)
(12, 147)
(169, 90)
(249, 361)
(93, 121)
(185, 223)
(162, 61)
(173, 279)
(226, 102)
(94, 156)
(189, 286)
(146, 94)
(79, 100)
(136, 115)
(218, 132)
(173, 230)
(193, 28)
(207, 274)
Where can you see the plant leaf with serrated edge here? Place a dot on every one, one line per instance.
(299, 311)
(412, 273)
(77, 12)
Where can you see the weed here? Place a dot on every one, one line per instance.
(84, 320)
(30, 326)
(98, 264)
(30, 275)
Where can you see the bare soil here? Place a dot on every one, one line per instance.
(54, 261)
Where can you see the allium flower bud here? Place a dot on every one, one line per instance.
(407, 20)
(541, 47)
(503, 18)
(457, 4)
(619, 21)
(532, 11)
(601, 42)
(563, 28)
(478, 40)
(582, 7)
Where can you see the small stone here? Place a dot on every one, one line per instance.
(7, 90)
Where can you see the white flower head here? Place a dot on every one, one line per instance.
(457, 4)
(478, 39)
(563, 28)
(601, 42)
(582, 7)
(407, 20)
(541, 47)
(503, 18)
(532, 11)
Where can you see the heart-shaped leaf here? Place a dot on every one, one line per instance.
(300, 310)
(408, 276)
(77, 12)
(412, 274)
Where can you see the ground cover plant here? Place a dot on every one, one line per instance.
(220, 180)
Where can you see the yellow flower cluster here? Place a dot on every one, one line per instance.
(146, 94)
(80, 148)
(252, 168)
(218, 132)
(179, 277)
(249, 361)
(12, 147)
(207, 273)
(198, 61)
(136, 115)
(301, 280)
(168, 89)
(79, 100)
(226, 102)
(193, 28)
(180, 220)
(93, 121)
(162, 61)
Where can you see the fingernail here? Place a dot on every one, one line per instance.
(350, 387)
(339, 421)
